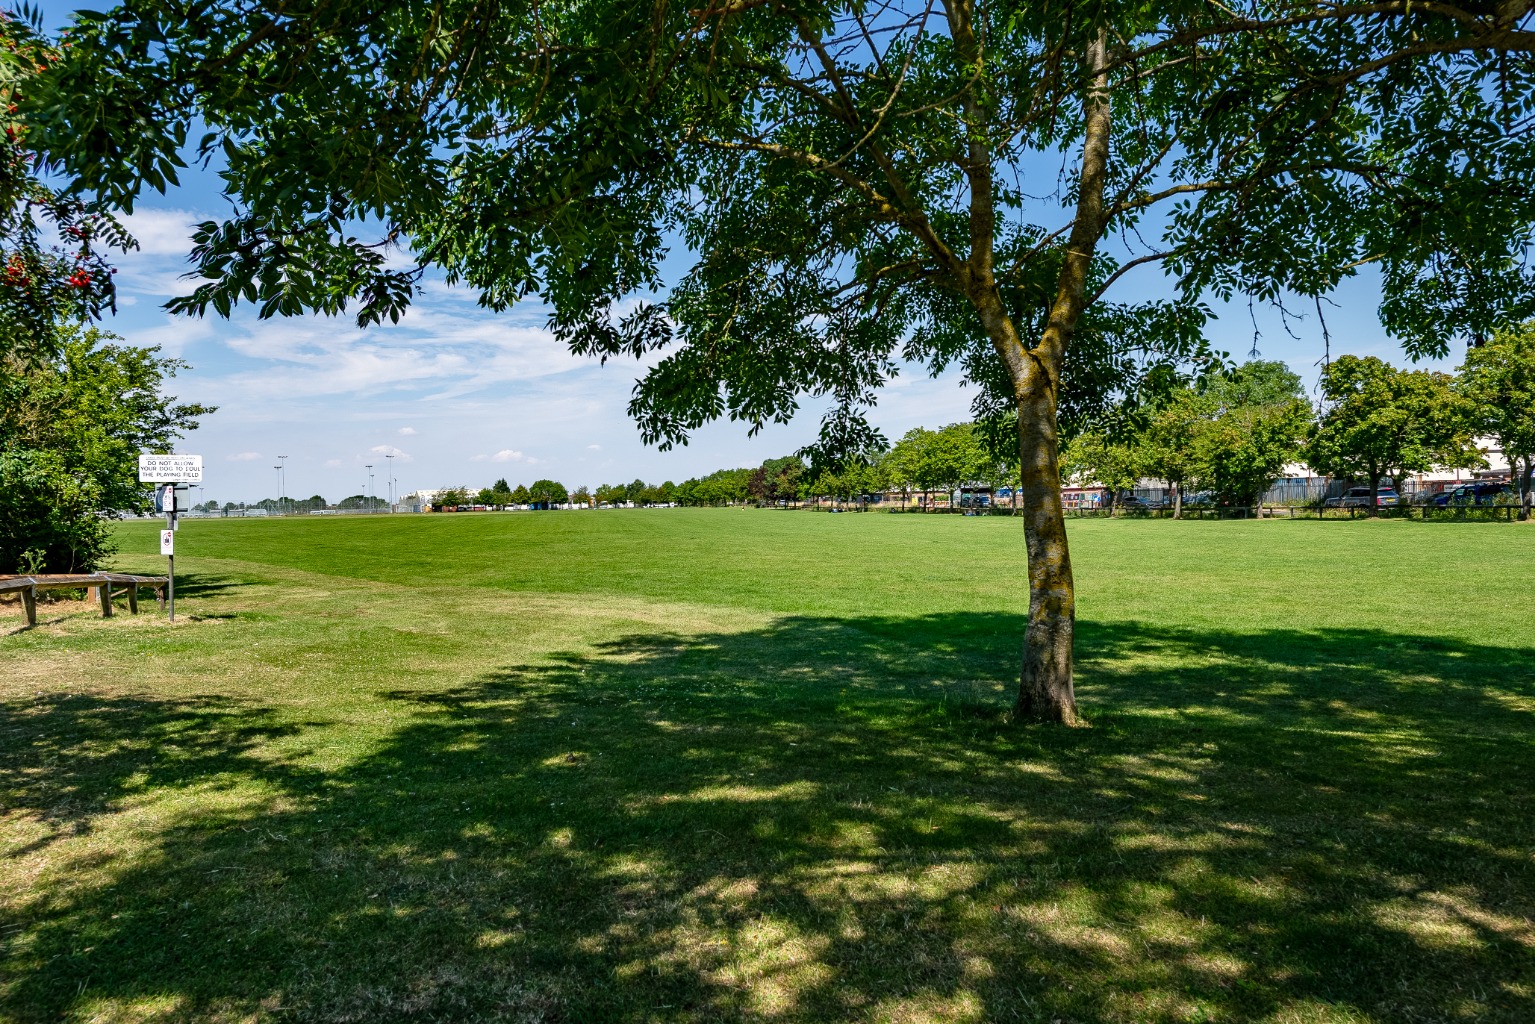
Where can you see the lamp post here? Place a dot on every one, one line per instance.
(282, 484)
(368, 497)
(391, 481)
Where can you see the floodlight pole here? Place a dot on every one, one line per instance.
(368, 495)
(282, 484)
(391, 481)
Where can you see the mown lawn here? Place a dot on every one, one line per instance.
(723, 765)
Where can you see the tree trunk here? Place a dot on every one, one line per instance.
(1045, 689)
(1524, 487)
(1177, 501)
(1374, 497)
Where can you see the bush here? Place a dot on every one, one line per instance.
(48, 518)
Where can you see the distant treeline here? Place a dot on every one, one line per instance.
(313, 503)
(1227, 435)
(923, 460)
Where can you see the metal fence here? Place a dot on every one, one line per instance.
(261, 513)
(1424, 513)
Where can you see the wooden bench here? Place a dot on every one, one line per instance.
(100, 583)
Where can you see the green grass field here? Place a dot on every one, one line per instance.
(728, 765)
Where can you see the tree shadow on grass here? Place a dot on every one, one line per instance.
(804, 823)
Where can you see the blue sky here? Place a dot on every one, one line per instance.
(463, 396)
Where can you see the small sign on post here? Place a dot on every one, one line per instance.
(176, 469)
(170, 470)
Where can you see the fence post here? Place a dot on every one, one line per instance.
(29, 605)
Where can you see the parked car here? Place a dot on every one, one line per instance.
(1483, 493)
(1359, 497)
(1131, 501)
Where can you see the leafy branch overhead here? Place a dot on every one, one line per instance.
(852, 180)
(54, 245)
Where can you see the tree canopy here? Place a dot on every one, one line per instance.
(1498, 379)
(1257, 421)
(54, 268)
(1379, 421)
(71, 429)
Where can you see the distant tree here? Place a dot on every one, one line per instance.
(450, 497)
(1380, 422)
(548, 493)
(367, 501)
(904, 459)
(502, 487)
(667, 491)
(520, 495)
(1257, 419)
(1498, 380)
(1169, 441)
(581, 496)
(954, 456)
(313, 503)
(723, 487)
(485, 496)
(1095, 457)
(776, 480)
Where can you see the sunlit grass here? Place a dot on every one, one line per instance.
(725, 765)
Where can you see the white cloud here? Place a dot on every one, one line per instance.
(163, 232)
(407, 431)
(594, 447)
(439, 353)
(244, 457)
(389, 449)
(508, 455)
(173, 335)
(332, 463)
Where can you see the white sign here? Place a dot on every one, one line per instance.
(167, 542)
(181, 469)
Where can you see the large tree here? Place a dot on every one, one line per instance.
(1498, 379)
(72, 425)
(1379, 421)
(854, 184)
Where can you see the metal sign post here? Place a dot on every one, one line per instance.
(168, 549)
(174, 472)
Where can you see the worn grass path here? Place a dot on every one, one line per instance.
(719, 765)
